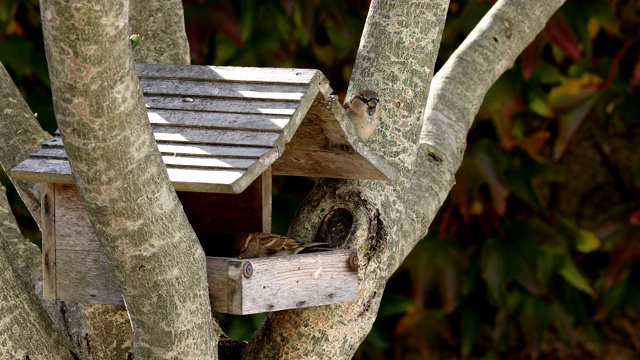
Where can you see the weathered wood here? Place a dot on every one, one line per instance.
(214, 119)
(284, 282)
(212, 151)
(276, 283)
(229, 73)
(215, 136)
(344, 164)
(238, 90)
(172, 159)
(44, 170)
(86, 277)
(215, 104)
(265, 201)
(218, 283)
(219, 128)
(73, 228)
(338, 153)
(48, 217)
(239, 152)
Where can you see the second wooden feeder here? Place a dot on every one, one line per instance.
(222, 132)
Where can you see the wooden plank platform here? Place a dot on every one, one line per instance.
(219, 128)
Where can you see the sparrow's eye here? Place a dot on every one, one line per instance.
(363, 99)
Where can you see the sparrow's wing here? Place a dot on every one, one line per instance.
(241, 244)
(271, 244)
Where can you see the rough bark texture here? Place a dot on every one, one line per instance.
(22, 135)
(25, 257)
(457, 92)
(160, 23)
(98, 331)
(396, 58)
(120, 176)
(25, 330)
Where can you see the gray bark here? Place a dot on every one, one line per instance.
(22, 135)
(25, 258)
(397, 54)
(457, 92)
(121, 178)
(389, 219)
(160, 23)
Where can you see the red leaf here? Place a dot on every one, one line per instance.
(499, 191)
(573, 101)
(534, 142)
(635, 75)
(288, 6)
(634, 218)
(621, 256)
(568, 126)
(531, 55)
(561, 36)
(504, 121)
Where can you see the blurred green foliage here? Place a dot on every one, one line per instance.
(535, 253)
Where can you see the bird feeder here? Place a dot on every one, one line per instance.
(222, 133)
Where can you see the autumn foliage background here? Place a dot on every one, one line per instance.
(536, 252)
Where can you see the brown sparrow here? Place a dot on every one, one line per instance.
(254, 245)
(364, 112)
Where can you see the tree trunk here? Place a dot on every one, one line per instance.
(156, 257)
(160, 23)
(397, 54)
(389, 219)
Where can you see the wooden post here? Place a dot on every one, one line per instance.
(48, 215)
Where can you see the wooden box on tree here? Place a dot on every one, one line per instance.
(222, 132)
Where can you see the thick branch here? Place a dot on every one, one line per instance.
(122, 180)
(457, 92)
(396, 58)
(160, 23)
(22, 135)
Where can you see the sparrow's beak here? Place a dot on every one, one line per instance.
(372, 103)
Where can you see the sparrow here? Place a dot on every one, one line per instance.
(254, 245)
(364, 112)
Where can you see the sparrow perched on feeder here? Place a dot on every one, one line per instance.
(254, 245)
(364, 112)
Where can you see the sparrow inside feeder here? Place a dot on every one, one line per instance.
(256, 245)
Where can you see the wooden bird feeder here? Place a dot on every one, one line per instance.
(222, 132)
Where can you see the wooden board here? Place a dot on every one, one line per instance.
(86, 277)
(277, 283)
(212, 216)
(219, 128)
(282, 282)
(48, 216)
(76, 268)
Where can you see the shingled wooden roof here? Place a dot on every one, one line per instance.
(219, 128)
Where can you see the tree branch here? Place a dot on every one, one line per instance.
(396, 58)
(457, 92)
(24, 135)
(121, 178)
(160, 23)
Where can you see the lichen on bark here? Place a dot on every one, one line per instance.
(122, 180)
